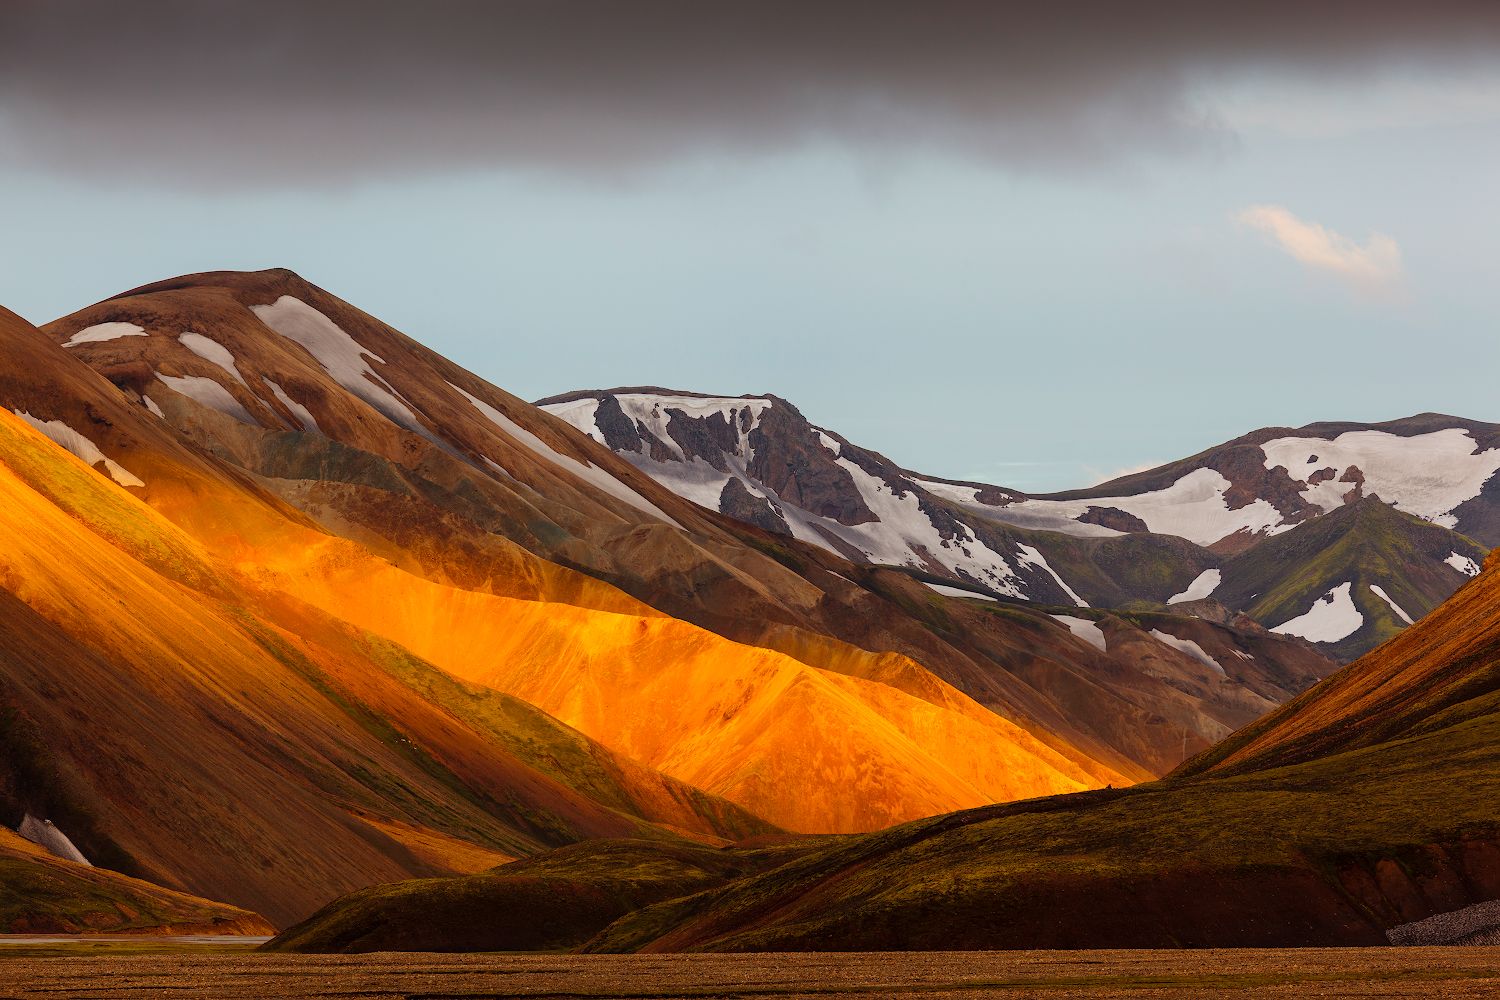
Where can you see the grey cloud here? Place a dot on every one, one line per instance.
(224, 92)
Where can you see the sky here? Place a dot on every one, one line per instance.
(1029, 249)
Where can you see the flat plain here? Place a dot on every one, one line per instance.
(228, 974)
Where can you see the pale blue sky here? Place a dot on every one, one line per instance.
(1035, 327)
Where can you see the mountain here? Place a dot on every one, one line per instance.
(183, 717)
(1178, 533)
(1435, 467)
(411, 626)
(1346, 817)
(456, 481)
(485, 505)
(758, 459)
(399, 623)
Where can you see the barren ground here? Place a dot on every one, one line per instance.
(117, 970)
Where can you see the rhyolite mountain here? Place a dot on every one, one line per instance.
(1368, 803)
(1234, 524)
(291, 605)
(442, 465)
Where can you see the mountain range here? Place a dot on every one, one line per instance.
(1339, 533)
(292, 606)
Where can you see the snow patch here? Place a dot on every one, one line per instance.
(309, 422)
(1086, 630)
(1193, 507)
(102, 332)
(1203, 585)
(68, 438)
(581, 413)
(1331, 618)
(948, 591)
(1189, 647)
(589, 473)
(965, 495)
(953, 494)
(44, 834)
(903, 530)
(1427, 475)
(211, 351)
(1463, 564)
(345, 360)
(1394, 606)
(1029, 556)
(209, 393)
(151, 405)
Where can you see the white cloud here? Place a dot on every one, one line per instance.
(1371, 267)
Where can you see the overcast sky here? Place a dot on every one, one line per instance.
(1028, 249)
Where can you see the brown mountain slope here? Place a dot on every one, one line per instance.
(459, 482)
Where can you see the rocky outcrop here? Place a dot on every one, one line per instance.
(791, 461)
(1113, 517)
(742, 505)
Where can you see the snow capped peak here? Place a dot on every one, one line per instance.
(671, 426)
(758, 459)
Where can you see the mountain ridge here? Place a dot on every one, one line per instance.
(721, 574)
(1215, 507)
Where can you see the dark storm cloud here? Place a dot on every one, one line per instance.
(277, 92)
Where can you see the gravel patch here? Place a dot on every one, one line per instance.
(1477, 924)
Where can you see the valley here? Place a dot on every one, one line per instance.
(680, 500)
(508, 659)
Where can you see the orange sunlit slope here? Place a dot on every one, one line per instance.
(264, 760)
(808, 749)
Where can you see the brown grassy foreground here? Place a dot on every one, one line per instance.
(1338, 972)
